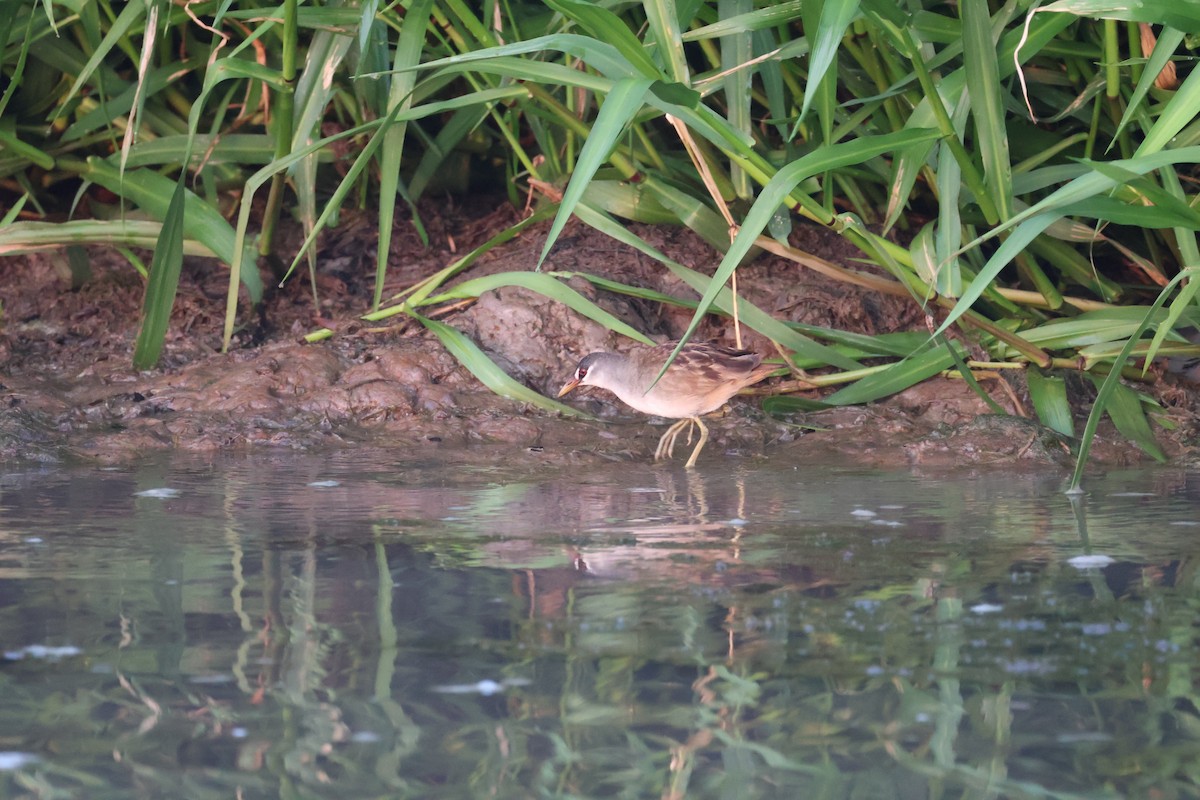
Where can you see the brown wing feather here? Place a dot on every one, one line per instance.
(710, 373)
(719, 364)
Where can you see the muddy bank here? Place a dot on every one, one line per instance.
(69, 391)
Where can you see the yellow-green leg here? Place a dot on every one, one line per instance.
(691, 462)
(666, 445)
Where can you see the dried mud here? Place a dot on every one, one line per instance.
(69, 391)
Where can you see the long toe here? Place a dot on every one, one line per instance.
(691, 462)
(666, 445)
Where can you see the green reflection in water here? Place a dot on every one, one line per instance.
(744, 630)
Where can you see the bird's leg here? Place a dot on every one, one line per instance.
(666, 445)
(691, 462)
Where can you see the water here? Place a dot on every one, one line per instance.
(357, 626)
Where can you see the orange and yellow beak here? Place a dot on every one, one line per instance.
(571, 384)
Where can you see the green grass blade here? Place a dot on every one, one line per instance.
(1183, 15)
(906, 168)
(605, 26)
(836, 16)
(1137, 189)
(1086, 329)
(821, 94)
(408, 54)
(526, 70)
(900, 344)
(1181, 110)
(1112, 380)
(770, 74)
(599, 55)
(663, 20)
(233, 148)
(631, 201)
(545, 285)
(1155, 217)
(778, 405)
(490, 375)
(690, 212)
(1185, 240)
(784, 182)
(620, 106)
(1030, 223)
(37, 237)
(1168, 42)
(313, 93)
(118, 30)
(769, 17)
(1106, 353)
(1049, 395)
(1180, 306)
(1124, 407)
(736, 51)
(164, 281)
(11, 215)
(896, 378)
(923, 251)
(616, 287)
(154, 194)
(11, 145)
(750, 314)
(987, 106)
(947, 271)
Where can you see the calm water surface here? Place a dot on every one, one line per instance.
(360, 626)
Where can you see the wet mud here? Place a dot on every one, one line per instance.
(69, 391)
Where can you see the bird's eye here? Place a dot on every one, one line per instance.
(581, 373)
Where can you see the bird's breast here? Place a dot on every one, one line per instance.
(664, 403)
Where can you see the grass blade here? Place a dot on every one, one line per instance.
(1049, 394)
(663, 19)
(1169, 40)
(896, 378)
(1112, 380)
(119, 28)
(154, 194)
(836, 16)
(408, 55)
(987, 106)
(736, 51)
(1182, 15)
(490, 375)
(164, 281)
(750, 314)
(36, 237)
(619, 108)
(605, 26)
(1124, 408)
(784, 182)
(545, 285)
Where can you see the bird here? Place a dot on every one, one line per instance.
(700, 380)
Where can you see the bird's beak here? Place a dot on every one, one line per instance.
(571, 384)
